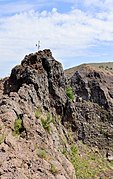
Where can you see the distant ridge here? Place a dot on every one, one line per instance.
(103, 65)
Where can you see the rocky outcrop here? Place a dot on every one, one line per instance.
(27, 149)
(39, 124)
(45, 74)
(92, 87)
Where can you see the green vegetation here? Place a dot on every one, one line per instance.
(53, 169)
(69, 93)
(38, 113)
(18, 127)
(42, 153)
(88, 163)
(46, 122)
(2, 138)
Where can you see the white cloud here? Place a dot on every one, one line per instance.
(94, 2)
(15, 6)
(102, 4)
(55, 30)
(69, 34)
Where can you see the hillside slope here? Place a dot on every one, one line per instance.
(48, 131)
(93, 90)
(105, 66)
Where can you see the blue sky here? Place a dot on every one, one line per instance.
(77, 31)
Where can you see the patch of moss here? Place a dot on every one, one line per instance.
(46, 122)
(42, 153)
(2, 138)
(53, 169)
(69, 93)
(38, 113)
(18, 126)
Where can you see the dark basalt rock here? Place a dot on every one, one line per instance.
(39, 82)
(90, 87)
(46, 75)
(93, 106)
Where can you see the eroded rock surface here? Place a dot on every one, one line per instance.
(38, 120)
(37, 84)
(92, 87)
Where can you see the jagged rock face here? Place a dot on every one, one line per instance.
(90, 86)
(39, 82)
(33, 153)
(45, 74)
(94, 105)
(94, 126)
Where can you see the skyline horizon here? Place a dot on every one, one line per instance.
(76, 31)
